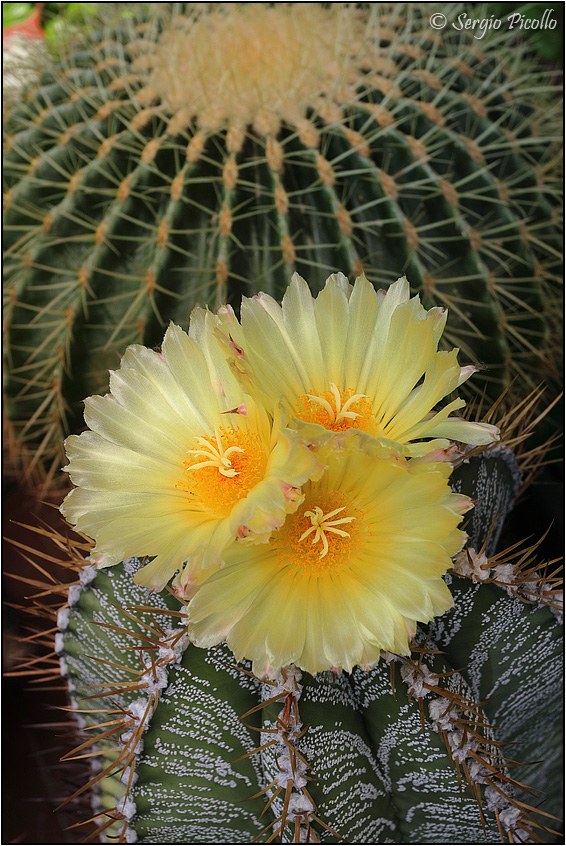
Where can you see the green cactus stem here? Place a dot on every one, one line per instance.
(336, 137)
(381, 766)
(183, 745)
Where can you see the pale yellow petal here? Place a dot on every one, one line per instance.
(401, 362)
(110, 420)
(299, 330)
(396, 296)
(162, 389)
(202, 330)
(227, 596)
(440, 379)
(265, 342)
(103, 465)
(428, 425)
(391, 530)
(363, 309)
(190, 370)
(375, 351)
(140, 398)
(466, 431)
(331, 312)
(156, 474)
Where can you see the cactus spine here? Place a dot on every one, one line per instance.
(412, 751)
(366, 140)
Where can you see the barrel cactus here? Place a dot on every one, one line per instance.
(206, 152)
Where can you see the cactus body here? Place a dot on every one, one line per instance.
(377, 774)
(388, 765)
(133, 193)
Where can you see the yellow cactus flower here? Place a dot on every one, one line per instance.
(352, 358)
(179, 462)
(350, 573)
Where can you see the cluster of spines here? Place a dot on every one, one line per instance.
(519, 420)
(514, 569)
(53, 569)
(283, 731)
(478, 758)
(114, 733)
(122, 215)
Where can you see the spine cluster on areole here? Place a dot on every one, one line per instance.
(128, 724)
(443, 699)
(470, 743)
(287, 792)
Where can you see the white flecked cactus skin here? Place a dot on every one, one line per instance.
(409, 751)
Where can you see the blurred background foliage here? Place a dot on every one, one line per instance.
(547, 44)
(60, 19)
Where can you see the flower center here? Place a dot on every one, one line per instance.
(215, 455)
(223, 468)
(322, 523)
(321, 537)
(336, 409)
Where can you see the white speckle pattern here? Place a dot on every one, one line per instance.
(376, 776)
(285, 770)
(514, 667)
(93, 599)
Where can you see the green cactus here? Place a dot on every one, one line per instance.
(411, 751)
(194, 157)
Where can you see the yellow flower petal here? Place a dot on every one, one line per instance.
(346, 576)
(351, 358)
(180, 461)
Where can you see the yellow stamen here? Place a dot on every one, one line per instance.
(336, 409)
(234, 462)
(339, 412)
(217, 457)
(321, 523)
